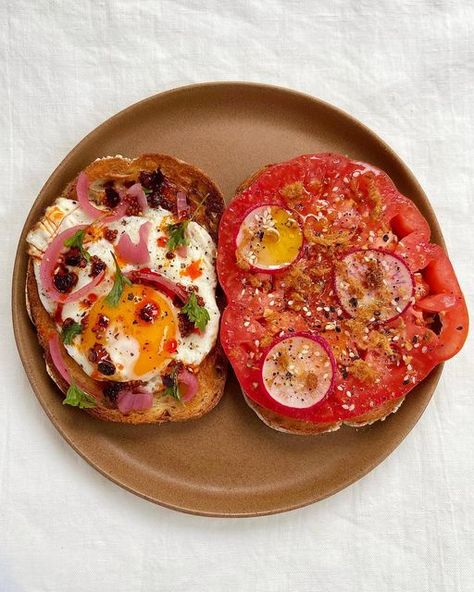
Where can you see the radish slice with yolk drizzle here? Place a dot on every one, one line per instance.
(374, 284)
(298, 371)
(269, 239)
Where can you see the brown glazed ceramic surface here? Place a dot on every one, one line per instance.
(227, 463)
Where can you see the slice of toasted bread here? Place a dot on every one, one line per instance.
(306, 428)
(213, 370)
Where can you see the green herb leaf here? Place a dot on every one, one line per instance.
(76, 240)
(198, 207)
(196, 313)
(177, 235)
(147, 191)
(68, 333)
(113, 297)
(173, 390)
(76, 397)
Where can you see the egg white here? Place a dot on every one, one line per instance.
(192, 349)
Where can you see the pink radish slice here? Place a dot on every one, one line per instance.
(269, 239)
(298, 371)
(375, 281)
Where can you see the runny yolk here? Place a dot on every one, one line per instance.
(143, 315)
(193, 270)
(269, 237)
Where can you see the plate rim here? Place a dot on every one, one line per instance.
(18, 311)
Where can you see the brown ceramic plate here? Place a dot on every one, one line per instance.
(227, 463)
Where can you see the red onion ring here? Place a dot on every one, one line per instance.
(136, 190)
(135, 253)
(182, 204)
(189, 380)
(156, 280)
(57, 357)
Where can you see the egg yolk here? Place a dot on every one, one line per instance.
(143, 315)
(269, 238)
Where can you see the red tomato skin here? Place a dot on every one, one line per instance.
(244, 326)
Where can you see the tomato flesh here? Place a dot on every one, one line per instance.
(342, 206)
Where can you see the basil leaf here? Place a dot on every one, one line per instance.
(76, 397)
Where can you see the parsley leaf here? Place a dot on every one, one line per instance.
(76, 240)
(173, 390)
(76, 397)
(113, 297)
(69, 332)
(177, 231)
(177, 235)
(196, 313)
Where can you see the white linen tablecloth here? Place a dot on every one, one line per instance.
(406, 69)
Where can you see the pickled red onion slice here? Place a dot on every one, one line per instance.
(137, 400)
(189, 380)
(136, 190)
(82, 190)
(50, 261)
(182, 204)
(57, 357)
(158, 281)
(135, 253)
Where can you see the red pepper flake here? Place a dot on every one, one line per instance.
(171, 345)
(193, 270)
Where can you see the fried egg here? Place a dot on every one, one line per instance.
(139, 349)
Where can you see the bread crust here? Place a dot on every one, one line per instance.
(212, 371)
(306, 428)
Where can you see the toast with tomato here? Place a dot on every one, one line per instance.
(338, 303)
(121, 287)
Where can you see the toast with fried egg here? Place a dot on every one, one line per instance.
(121, 287)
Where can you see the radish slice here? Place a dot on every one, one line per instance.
(57, 357)
(269, 239)
(146, 276)
(373, 284)
(135, 253)
(182, 204)
(189, 380)
(298, 370)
